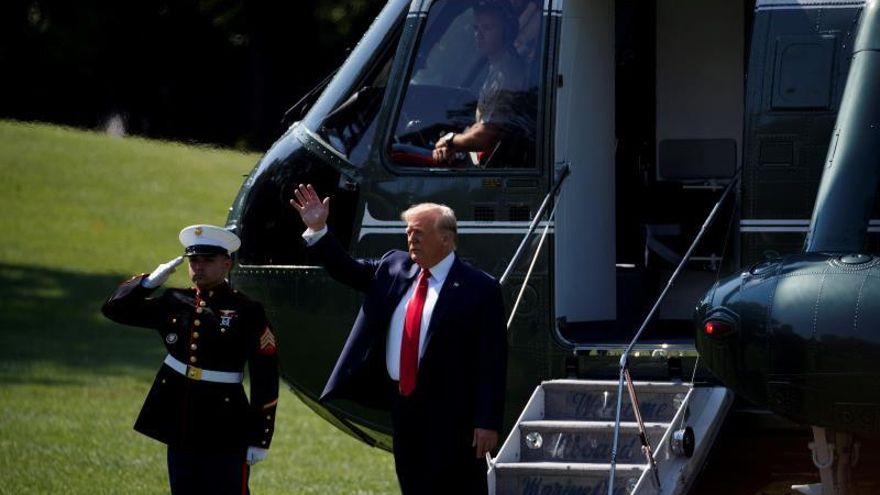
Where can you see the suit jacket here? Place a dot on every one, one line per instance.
(219, 330)
(463, 369)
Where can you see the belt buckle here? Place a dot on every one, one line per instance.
(193, 373)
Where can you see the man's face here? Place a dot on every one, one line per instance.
(427, 244)
(488, 34)
(206, 271)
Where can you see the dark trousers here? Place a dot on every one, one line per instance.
(432, 456)
(207, 473)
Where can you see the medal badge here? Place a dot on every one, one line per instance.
(171, 338)
(226, 316)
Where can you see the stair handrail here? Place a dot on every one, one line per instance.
(624, 364)
(522, 288)
(563, 173)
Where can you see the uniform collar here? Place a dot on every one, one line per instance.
(215, 291)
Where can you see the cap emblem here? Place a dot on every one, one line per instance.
(197, 231)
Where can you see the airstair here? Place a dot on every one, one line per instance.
(563, 441)
(588, 437)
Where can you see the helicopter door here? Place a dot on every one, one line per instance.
(649, 117)
(585, 241)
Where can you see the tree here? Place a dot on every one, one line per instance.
(213, 71)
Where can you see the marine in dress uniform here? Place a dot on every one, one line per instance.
(197, 404)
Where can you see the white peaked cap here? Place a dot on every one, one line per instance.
(208, 239)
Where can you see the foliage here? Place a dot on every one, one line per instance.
(210, 71)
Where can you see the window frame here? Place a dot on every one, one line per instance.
(406, 61)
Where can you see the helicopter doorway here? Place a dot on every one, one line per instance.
(649, 118)
(585, 244)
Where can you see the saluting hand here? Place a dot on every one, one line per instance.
(312, 210)
(161, 273)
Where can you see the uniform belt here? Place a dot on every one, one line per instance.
(199, 374)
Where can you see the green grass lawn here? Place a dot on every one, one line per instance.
(80, 212)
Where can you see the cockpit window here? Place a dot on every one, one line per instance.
(344, 117)
(350, 127)
(471, 99)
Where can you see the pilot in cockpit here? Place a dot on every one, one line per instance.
(496, 136)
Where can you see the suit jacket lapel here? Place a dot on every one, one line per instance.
(401, 284)
(448, 294)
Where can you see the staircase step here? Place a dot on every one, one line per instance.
(597, 400)
(536, 478)
(584, 441)
(571, 425)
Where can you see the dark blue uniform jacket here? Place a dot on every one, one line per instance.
(218, 330)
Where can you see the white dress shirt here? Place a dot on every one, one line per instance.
(313, 236)
(395, 328)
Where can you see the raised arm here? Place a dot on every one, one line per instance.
(131, 304)
(313, 211)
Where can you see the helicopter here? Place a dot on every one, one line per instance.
(797, 333)
(632, 119)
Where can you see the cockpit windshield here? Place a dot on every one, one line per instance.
(344, 117)
(472, 95)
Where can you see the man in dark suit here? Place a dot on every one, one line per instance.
(429, 341)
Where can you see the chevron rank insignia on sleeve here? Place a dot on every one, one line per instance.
(267, 342)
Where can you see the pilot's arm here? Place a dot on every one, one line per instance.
(495, 116)
(478, 137)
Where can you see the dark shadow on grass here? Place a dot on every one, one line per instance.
(54, 316)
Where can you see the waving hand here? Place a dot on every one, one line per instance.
(312, 210)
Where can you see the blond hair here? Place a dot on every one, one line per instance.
(445, 217)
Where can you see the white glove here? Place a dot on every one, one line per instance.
(161, 273)
(255, 455)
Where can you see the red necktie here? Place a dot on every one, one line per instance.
(412, 325)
